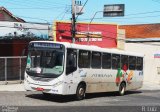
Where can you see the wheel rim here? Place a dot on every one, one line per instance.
(122, 89)
(81, 92)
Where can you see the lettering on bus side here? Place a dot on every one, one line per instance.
(101, 75)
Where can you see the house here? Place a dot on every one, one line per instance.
(6, 15)
(15, 33)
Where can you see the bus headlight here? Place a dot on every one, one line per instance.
(58, 83)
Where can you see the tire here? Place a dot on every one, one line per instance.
(122, 89)
(80, 93)
(46, 94)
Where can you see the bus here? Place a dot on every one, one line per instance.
(62, 68)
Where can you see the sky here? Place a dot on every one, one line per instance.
(48, 11)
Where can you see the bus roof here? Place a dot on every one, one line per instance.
(94, 48)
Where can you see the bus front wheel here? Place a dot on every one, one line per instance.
(46, 94)
(122, 89)
(80, 93)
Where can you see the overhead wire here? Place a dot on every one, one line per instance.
(156, 1)
(26, 5)
(142, 13)
(122, 18)
(38, 3)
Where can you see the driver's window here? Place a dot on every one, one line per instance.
(71, 63)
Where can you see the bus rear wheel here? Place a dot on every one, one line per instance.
(122, 89)
(80, 93)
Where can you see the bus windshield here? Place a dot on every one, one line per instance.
(44, 62)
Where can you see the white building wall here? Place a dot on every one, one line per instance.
(151, 63)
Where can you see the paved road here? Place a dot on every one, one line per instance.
(94, 102)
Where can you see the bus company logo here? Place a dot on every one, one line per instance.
(157, 55)
(123, 75)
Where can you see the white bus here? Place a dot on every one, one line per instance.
(65, 68)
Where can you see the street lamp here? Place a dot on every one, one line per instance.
(112, 10)
(90, 23)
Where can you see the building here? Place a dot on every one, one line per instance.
(15, 33)
(99, 34)
(145, 38)
(5, 15)
(142, 38)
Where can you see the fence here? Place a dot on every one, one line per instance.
(12, 69)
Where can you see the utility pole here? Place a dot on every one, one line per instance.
(73, 29)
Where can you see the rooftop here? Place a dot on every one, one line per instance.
(142, 30)
(10, 14)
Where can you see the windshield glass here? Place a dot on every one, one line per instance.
(45, 62)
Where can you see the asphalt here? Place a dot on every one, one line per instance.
(20, 87)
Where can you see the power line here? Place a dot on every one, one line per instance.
(33, 2)
(38, 8)
(16, 4)
(156, 1)
(46, 2)
(111, 38)
(147, 43)
(27, 28)
(66, 11)
(114, 33)
(34, 18)
(142, 13)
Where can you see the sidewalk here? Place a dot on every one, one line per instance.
(20, 87)
(150, 86)
(12, 87)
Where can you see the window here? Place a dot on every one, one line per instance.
(132, 62)
(106, 60)
(124, 62)
(115, 61)
(96, 60)
(84, 59)
(139, 65)
(71, 64)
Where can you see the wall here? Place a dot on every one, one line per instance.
(99, 34)
(150, 63)
(5, 17)
(5, 48)
(13, 47)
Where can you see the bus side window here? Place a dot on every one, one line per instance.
(84, 59)
(139, 64)
(96, 60)
(71, 64)
(132, 62)
(106, 61)
(124, 62)
(115, 61)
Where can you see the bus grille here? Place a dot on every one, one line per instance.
(41, 79)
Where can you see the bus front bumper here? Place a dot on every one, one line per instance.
(43, 88)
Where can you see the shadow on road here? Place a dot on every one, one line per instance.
(70, 98)
(52, 98)
(110, 94)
